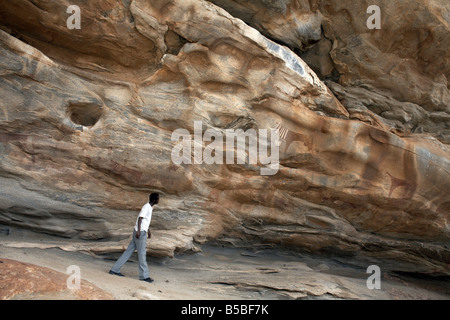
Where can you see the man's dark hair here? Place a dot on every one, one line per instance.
(153, 197)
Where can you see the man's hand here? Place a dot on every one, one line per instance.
(138, 234)
(149, 235)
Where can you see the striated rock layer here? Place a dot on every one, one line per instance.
(87, 118)
(397, 75)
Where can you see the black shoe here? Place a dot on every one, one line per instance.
(149, 280)
(116, 273)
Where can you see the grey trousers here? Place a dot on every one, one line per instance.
(139, 245)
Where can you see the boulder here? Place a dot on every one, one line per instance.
(26, 281)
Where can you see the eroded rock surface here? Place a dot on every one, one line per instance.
(19, 280)
(399, 72)
(87, 118)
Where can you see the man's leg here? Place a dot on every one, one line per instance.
(141, 245)
(125, 256)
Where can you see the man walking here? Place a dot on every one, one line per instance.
(139, 241)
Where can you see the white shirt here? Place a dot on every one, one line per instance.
(146, 214)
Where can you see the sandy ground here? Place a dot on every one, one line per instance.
(225, 273)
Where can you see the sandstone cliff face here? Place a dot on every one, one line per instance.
(397, 75)
(87, 117)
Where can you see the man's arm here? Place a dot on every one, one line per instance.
(138, 233)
